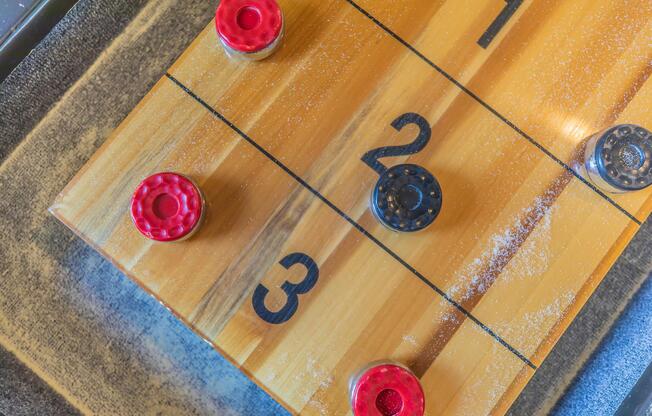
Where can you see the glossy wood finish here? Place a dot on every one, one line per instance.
(472, 304)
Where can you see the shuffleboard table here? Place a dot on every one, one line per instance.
(472, 304)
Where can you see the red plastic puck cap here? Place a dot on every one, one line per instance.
(248, 25)
(388, 390)
(166, 206)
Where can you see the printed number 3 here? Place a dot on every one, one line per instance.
(292, 290)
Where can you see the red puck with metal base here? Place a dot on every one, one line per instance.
(386, 389)
(249, 29)
(167, 206)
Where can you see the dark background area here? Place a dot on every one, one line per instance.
(23, 23)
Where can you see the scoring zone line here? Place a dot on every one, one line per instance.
(492, 110)
(350, 220)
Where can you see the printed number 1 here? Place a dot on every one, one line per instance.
(292, 290)
(499, 22)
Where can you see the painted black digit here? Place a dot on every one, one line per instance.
(499, 22)
(372, 156)
(292, 290)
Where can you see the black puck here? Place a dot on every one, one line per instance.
(406, 198)
(624, 157)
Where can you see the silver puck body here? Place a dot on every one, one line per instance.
(253, 56)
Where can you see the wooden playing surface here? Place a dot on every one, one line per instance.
(474, 303)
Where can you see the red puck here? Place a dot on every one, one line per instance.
(387, 390)
(249, 28)
(167, 207)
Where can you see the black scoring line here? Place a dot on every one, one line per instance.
(351, 221)
(493, 111)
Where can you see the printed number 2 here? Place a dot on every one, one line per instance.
(499, 22)
(372, 156)
(292, 290)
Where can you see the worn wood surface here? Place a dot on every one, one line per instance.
(519, 246)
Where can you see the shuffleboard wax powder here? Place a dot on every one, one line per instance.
(167, 206)
(619, 159)
(249, 29)
(386, 388)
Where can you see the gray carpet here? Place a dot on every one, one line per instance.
(23, 393)
(76, 323)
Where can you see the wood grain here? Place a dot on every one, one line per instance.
(520, 243)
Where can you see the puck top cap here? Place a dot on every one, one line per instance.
(387, 390)
(624, 157)
(406, 198)
(166, 207)
(248, 25)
